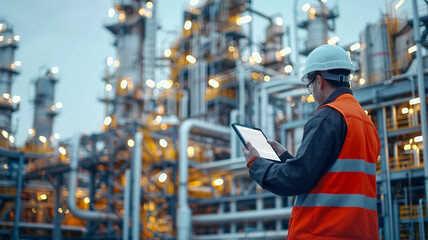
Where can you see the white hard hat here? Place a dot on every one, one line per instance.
(327, 57)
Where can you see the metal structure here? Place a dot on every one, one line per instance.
(167, 166)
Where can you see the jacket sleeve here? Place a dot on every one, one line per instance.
(322, 141)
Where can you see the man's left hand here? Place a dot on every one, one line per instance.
(250, 154)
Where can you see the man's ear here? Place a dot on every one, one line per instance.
(321, 81)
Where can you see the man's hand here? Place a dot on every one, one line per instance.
(279, 149)
(250, 154)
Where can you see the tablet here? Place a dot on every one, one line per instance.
(257, 138)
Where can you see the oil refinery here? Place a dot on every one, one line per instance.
(168, 166)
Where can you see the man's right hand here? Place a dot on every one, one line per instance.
(279, 149)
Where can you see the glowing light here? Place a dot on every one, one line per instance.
(191, 59)
(158, 119)
(31, 131)
(150, 83)
(285, 51)
(404, 110)
(414, 101)
(187, 25)
(60, 210)
(412, 49)
(306, 7)
(141, 11)
(193, 2)
(288, 69)
(163, 143)
(107, 120)
(167, 84)
(16, 99)
(310, 99)
(43, 196)
(6, 95)
(167, 52)
(16, 38)
(362, 81)
(33, 210)
(367, 112)
(162, 177)
(18, 63)
(244, 19)
(164, 126)
(110, 61)
(231, 49)
(355, 46)
(1, 27)
(123, 83)
(131, 143)
(267, 78)
(1, 37)
(109, 87)
(67, 211)
(334, 40)
(324, 1)
(190, 151)
(398, 4)
(213, 83)
(407, 147)
(58, 105)
(5, 134)
(122, 17)
(116, 63)
(279, 21)
(5, 166)
(42, 139)
(62, 150)
(418, 139)
(218, 182)
(12, 139)
(111, 12)
(55, 70)
(257, 57)
(149, 4)
(87, 200)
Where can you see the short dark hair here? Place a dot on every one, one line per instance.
(337, 84)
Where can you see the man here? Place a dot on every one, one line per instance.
(334, 171)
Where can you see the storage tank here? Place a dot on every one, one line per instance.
(317, 27)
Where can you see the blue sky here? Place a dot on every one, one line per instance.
(71, 36)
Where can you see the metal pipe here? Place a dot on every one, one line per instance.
(421, 220)
(126, 199)
(18, 197)
(421, 91)
(265, 214)
(241, 81)
(136, 188)
(183, 211)
(234, 151)
(88, 215)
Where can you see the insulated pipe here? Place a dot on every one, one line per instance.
(234, 152)
(88, 215)
(183, 211)
(421, 91)
(126, 200)
(136, 188)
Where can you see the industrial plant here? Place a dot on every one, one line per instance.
(168, 165)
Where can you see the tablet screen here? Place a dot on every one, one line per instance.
(259, 141)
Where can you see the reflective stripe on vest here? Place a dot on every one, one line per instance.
(336, 200)
(353, 165)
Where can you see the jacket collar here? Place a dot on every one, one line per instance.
(339, 91)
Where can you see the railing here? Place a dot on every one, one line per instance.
(411, 211)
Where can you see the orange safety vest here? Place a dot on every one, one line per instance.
(343, 204)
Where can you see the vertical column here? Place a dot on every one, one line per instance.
(56, 231)
(18, 197)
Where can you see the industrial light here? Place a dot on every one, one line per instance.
(16, 99)
(33, 210)
(162, 177)
(187, 25)
(412, 49)
(150, 83)
(164, 126)
(257, 57)
(18, 63)
(111, 12)
(407, 147)
(279, 21)
(5, 134)
(418, 139)
(167, 84)
(355, 46)
(31, 131)
(43, 196)
(116, 63)
(244, 19)
(288, 69)
(131, 143)
(362, 81)
(62, 150)
(55, 70)
(12, 139)
(42, 139)
(123, 83)
(56, 135)
(306, 7)
(167, 52)
(109, 87)
(67, 211)
(1, 27)
(334, 40)
(141, 11)
(285, 51)
(310, 99)
(213, 83)
(5, 166)
(1, 38)
(324, 1)
(267, 78)
(158, 119)
(149, 4)
(163, 143)
(58, 105)
(218, 182)
(404, 110)
(87, 200)
(107, 120)
(60, 210)
(16, 37)
(191, 59)
(193, 2)
(190, 151)
(6, 95)
(414, 101)
(367, 112)
(398, 4)
(110, 61)
(231, 49)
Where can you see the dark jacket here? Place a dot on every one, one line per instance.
(323, 138)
